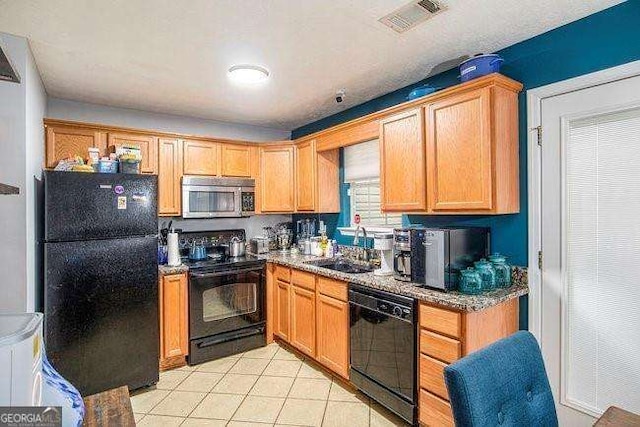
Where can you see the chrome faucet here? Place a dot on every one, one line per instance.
(356, 240)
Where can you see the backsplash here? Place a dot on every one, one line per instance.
(252, 225)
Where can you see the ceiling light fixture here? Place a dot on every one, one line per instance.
(248, 74)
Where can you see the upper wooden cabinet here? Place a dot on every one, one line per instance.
(306, 176)
(317, 178)
(148, 147)
(402, 163)
(472, 152)
(66, 141)
(169, 176)
(277, 178)
(200, 157)
(236, 160)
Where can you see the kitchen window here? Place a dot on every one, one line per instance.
(362, 173)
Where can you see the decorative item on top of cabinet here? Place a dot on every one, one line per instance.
(402, 163)
(169, 176)
(277, 178)
(200, 157)
(174, 320)
(148, 145)
(236, 160)
(472, 152)
(66, 141)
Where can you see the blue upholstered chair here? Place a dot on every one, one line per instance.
(504, 384)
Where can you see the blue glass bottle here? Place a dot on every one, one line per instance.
(503, 270)
(470, 282)
(487, 273)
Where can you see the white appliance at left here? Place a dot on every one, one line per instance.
(26, 376)
(21, 359)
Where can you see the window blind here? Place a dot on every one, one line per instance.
(362, 161)
(601, 269)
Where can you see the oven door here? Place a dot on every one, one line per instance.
(204, 201)
(382, 346)
(225, 301)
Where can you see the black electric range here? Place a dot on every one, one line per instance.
(227, 311)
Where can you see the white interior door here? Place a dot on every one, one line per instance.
(590, 223)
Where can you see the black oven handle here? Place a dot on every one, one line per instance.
(225, 273)
(244, 334)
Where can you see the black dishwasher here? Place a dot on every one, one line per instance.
(383, 348)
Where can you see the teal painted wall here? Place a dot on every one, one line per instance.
(599, 41)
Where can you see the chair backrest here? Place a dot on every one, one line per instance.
(504, 384)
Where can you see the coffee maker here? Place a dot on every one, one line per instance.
(402, 254)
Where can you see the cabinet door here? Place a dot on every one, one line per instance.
(174, 318)
(277, 183)
(169, 176)
(402, 163)
(333, 334)
(148, 147)
(66, 141)
(200, 157)
(303, 320)
(281, 312)
(459, 152)
(306, 176)
(236, 160)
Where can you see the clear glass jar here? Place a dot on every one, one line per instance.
(503, 270)
(470, 282)
(487, 273)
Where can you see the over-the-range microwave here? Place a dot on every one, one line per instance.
(213, 197)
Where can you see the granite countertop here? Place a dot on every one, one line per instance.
(167, 269)
(454, 300)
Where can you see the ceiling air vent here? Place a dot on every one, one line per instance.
(412, 14)
(7, 71)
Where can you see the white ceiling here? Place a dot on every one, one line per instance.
(172, 56)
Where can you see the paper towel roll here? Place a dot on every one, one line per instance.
(173, 258)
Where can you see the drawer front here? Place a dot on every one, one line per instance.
(333, 288)
(432, 376)
(282, 273)
(303, 279)
(440, 320)
(434, 412)
(440, 347)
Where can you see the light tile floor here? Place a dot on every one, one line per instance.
(263, 387)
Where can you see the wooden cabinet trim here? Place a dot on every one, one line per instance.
(402, 163)
(332, 334)
(441, 320)
(148, 146)
(306, 163)
(303, 279)
(434, 411)
(440, 347)
(236, 160)
(174, 312)
(333, 288)
(302, 328)
(282, 273)
(432, 376)
(200, 157)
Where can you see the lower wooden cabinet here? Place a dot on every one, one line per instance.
(281, 309)
(303, 320)
(174, 320)
(332, 326)
(312, 314)
(447, 335)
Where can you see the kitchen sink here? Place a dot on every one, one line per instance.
(342, 265)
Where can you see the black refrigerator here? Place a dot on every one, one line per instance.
(101, 279)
